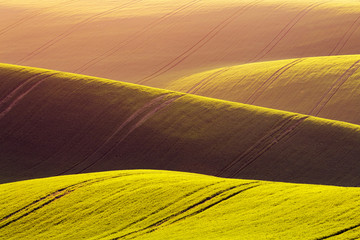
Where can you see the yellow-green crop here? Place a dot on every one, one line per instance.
(320, 86)
(146, 204)
(54, 123)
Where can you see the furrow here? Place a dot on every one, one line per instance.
(153, 226)
(194, 48)
(20, 97)
(72, 30)
(334, 88)
(275, 141)
(49, 198)
(339, 232)
(33, 15)
(345, 38)
(77, 137)
(275, 41)
(257, 144)
(215, 203)
(58, 196)
(115, 49)
(207, 79)
(131, 118)
(17, 90)
(137, 124)
(163, 208)
(261, 89)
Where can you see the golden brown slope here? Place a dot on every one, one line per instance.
(58, 123)
(327, 87)
(152, 41)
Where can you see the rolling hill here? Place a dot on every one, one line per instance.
(327, 87)
(174, 205)
(54, 123)
(153, 41)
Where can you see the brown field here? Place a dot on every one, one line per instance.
(152, 42)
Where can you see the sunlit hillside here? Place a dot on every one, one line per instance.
(173, 205)
(155, 41)
(327, 87)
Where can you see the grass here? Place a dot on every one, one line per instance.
(148, 204)
(54, 123)
(321, 86)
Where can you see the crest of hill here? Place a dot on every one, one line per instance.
(327, 87)
(174, 205)
(54, 123)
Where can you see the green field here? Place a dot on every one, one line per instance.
(180, 120)
(145, 204)
(327, 87)
(54, 123)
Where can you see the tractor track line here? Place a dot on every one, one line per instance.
(153, 226)
(260, 90)
(258, 143)
(276, 140)
(203, 209)
(334, 88)
(345, 39)
(202, 82)
(26, 18)
(136, 125)
(339, 232)
(20, 97)
(116, 48)
(51, 197)
(18, 89)
(163, 207)
(75, 139)
(215, 203)
(71, 30)
(199, 44)
(273, 43)
(131, 118)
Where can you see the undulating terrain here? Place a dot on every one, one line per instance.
(174, 205)
(327, 87)
(55, 123)
(155, 41)
(163, 119)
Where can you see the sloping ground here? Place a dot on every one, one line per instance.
(152, 41)
(174, 205)
(55, 123)
(327, 87)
